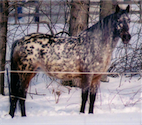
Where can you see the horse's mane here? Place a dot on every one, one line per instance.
(101, 23)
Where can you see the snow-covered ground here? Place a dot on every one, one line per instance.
(117, 103)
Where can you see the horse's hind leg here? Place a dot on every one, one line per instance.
(13, 102)
(23, 91)
(22, 106)
(22, 98)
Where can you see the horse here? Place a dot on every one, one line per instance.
(68, 58)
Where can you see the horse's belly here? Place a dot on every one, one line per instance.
(64, 71)
(64, 75)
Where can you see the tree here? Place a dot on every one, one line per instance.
(106, 8)
(3, 39)
(79, 16)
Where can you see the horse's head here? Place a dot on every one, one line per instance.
(122, 24)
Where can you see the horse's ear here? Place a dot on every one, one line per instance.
(128, 9)
(117, 9)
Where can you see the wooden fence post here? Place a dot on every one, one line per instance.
(140, 11)
(3, 39)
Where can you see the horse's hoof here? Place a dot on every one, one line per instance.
(11, 114)
(90, 112)
(82, 110)
(23, 115)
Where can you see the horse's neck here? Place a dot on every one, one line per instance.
(102, 33)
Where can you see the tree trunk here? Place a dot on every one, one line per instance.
(106, 8)
(3, 39)
(79, 16)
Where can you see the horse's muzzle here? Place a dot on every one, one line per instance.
(125, 37)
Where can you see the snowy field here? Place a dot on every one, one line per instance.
(117, 103)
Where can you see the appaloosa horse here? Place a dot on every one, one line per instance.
(89, 52)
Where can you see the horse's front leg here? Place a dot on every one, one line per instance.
(85, 84)
(84, 100)
(93, 91)
(92, 100)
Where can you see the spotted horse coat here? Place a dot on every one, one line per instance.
(89, 52)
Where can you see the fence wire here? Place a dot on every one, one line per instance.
(99, 73)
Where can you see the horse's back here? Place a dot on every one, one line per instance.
(53, 54)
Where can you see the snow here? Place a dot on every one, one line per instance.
(116, 103)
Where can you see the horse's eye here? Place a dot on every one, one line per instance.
(120, 22)
(129, 20)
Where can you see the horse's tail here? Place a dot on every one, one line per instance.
(14, 86)
(14, 75)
